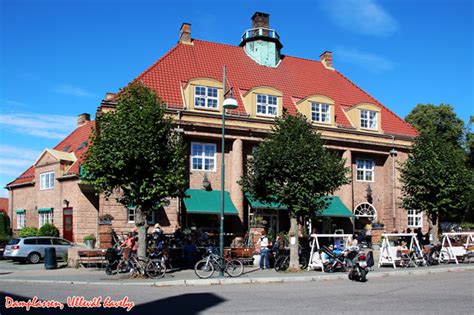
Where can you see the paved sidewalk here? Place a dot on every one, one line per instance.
(251, 274)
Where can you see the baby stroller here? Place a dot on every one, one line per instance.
(331, 261)
(112, 255)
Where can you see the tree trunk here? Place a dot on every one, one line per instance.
(433, 224)
(293, 238)
(140, 222)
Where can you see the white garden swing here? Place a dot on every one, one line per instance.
(388, 251)
(315, 260)
(450, 252)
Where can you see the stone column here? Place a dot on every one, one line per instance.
(236, 170)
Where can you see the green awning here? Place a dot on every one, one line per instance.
(20, 211)
(41, 210)
(255, 204)
(336, 208)
(208, 202)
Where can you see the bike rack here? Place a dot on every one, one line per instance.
(315, 243)
(455, 251)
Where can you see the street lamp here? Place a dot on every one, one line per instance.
(229, 103)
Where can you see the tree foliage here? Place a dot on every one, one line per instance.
(293, 168)
(437, 121)
(436, 177)
(135, 154)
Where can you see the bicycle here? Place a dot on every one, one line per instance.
(205, 267)
(142, 266)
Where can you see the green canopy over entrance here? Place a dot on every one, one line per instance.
(208, 202)
(336, 208)
(255, 204)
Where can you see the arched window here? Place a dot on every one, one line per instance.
(365, 210)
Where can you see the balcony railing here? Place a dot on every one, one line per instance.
(261, 31)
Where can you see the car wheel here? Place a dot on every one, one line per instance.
(34, 258)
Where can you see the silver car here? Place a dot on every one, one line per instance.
(32, 249)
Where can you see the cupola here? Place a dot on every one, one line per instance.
(262, 43)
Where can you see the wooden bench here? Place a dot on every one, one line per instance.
(91, 257)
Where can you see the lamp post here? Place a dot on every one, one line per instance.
(229, 103)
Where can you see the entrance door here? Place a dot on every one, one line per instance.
(67, 224)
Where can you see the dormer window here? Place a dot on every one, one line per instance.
(368, 119)
(320, 113)
(267, 105)
(205, 97)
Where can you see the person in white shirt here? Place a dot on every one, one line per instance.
(264, 251)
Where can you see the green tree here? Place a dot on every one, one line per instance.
(136, 156)
(437, 121)
(435, 179)
(293, 168)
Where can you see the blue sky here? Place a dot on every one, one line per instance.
(59, 58)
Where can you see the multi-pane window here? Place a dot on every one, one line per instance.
(267, 105)
(365, 170)
(368, 119)
(131, 216)
(320, 112)
(47, 180)
(205, 97)
(45, 217)
(415, 218)
(203, 156)
(20, 220)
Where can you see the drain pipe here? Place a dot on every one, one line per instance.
(393, 154)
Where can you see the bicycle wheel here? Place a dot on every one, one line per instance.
(155, 269)
(123, 267)
(234, 268)
(280, 263)
(203, 269)
(444, 256)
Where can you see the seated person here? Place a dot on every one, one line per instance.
(402, 249)
(325, 258)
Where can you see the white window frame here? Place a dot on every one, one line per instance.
(206, 97)
(265, 105)
(318, 112)
(368, 119)
(203, 157)
(416, 218)
(365, 170)
(47, 181)
(45, 217)
(131, 213)
(20, 220)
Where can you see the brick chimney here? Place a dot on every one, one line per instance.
(109, 96)
(260, 19)
(82, 119)
(185, 34)
(326, 59)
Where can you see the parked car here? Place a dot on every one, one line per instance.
(31, 249)
(2, 249)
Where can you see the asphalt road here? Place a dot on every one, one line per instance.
(443, 293)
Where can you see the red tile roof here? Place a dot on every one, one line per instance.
(297, 78)
(72, 143)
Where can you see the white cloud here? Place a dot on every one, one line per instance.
(15, 160)
(371, 62)
(39, 125)
(361, 16)
(15, 103)
(68, 89)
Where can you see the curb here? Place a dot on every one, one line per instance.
(265, 280)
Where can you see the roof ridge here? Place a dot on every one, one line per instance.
(375, 100)
(154, 64)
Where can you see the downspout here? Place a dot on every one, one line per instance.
(393, 154)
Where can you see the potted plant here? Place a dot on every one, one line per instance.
(89, 240)
(105, 219)
(377, 226)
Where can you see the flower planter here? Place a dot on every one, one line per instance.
(90, 243)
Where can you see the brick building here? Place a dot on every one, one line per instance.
(50, 190)
(264, 81)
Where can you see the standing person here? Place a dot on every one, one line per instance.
(129, 244)
(263, 242)
(368, 235)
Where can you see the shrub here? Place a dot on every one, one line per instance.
(89, 237)
(48, 230)
(28, 231)
(4, 225)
